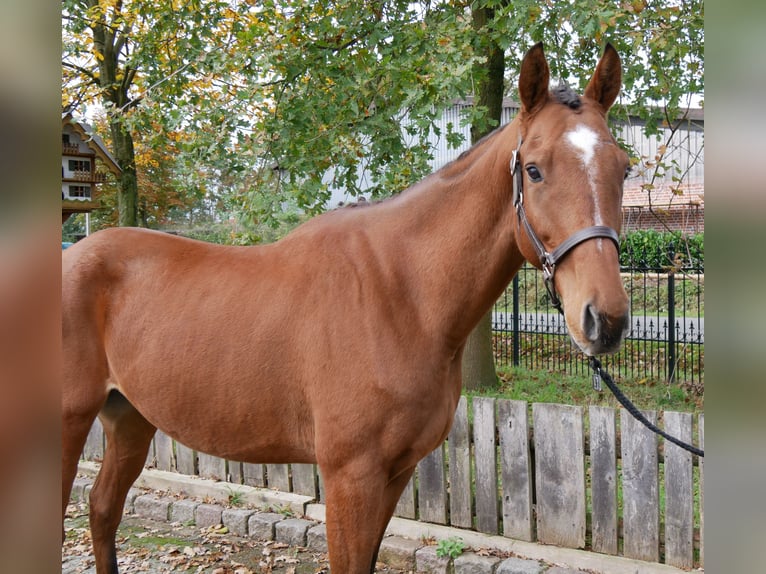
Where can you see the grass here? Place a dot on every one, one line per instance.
(541, 386)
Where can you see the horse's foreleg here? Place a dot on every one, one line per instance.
(128, 435)
(355, 509)
(391, 495)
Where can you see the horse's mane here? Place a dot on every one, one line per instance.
(563, 94)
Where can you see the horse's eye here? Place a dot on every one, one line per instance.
(534, 174)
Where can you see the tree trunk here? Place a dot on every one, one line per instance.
(478, 359)
(127, 190)
(108, 40)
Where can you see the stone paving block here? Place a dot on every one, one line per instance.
(292, 531)
(560, 570)
(235, 519)
(208, 515)
(182, 511)
(519, 566)
(316, 538)
(152, 507)
(398, 553)
(428, 562)
(261, 525)
(470, 563)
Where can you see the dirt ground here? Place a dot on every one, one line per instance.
(157, 547)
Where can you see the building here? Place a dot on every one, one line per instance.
(665, 190)
(83, 159)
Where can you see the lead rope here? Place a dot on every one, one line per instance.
(600, 374)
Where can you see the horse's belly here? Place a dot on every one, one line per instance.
(259, 425)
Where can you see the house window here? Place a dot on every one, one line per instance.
(79, 191)
(79, 165)
(65, 138)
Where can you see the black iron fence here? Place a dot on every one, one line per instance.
(666, 341)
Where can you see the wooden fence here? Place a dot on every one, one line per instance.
(558, 474)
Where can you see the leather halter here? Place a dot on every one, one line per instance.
(548, 260)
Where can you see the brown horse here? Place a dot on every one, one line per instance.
(341, 344)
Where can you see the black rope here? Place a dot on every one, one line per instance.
(595, 364)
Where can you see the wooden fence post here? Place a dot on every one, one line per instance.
(211, 466)
(460, 498)
(485, 457)
(513, 427)
(163, 450)
(432, 487)
(679, 493)
(640, 488)
(559, 474)
(603, 474)
(278, 476)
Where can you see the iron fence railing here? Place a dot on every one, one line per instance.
(666, 341)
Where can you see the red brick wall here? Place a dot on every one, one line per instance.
(663, 208)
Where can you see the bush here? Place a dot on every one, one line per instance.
(658, 251)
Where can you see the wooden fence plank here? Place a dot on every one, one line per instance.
(186, 459)
(94, 444)
(679, 493)
(236, 474)
(211, 466)
(432, 487)
(459, 442)
(304, 479)
(254, 474)
(701, 431)
(485, 458)
(559, 474)
(278, 476)
(163, 451)
(405, 508)
(515, 470)
(603, 465)
(640, 488)
(149, 461)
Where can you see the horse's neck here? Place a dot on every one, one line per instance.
(460, 242)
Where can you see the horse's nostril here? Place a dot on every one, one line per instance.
(591, 323)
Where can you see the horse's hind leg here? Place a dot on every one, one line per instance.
(75, 430)
(128, 435)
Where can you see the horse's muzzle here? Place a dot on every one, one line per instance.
(604, 332)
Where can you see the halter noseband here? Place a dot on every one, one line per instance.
(548, 260)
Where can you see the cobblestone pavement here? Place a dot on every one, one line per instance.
(156, 547)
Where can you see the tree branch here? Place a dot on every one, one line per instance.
(84, 71)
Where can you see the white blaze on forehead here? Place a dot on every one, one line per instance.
(584, 140)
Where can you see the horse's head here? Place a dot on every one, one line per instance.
(569, 174)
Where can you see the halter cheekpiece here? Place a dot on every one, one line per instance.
(548, 260)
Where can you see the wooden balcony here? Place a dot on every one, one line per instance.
(70, 149)
(87, 176)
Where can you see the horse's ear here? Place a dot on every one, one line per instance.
(533, 80)
(607, 79)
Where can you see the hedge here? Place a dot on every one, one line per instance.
(662, 250)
